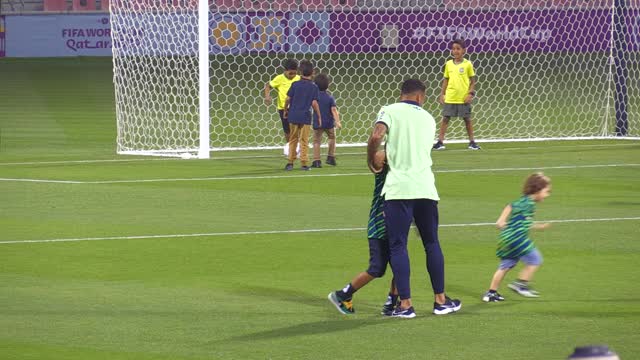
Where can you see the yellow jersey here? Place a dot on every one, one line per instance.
(459, 76)
(282, 85)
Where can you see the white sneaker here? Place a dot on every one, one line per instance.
(524, 291)
(285, 150)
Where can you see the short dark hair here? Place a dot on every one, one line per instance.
(290, 64)
(459, 42)
(306, 68)
(535, 182)
(322, 80)
(411, 86)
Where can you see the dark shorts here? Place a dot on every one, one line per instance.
(378, 257)
(285, 122)
(456, 110)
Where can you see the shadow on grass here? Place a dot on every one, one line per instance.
(310, 328)
(285, 295)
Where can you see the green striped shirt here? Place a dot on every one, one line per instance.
(514, 238)
(376, 228)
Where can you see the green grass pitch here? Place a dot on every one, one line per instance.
(206, 261)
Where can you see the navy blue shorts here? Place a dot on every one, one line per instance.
(285, 122)
(378, 257)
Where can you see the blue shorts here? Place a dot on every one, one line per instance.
(532, 258)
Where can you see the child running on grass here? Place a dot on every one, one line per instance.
(515, 245)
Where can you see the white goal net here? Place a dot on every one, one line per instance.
(546, 69)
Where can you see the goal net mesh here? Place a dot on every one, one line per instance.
(546, 69)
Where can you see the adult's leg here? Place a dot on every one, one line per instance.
(426, 217)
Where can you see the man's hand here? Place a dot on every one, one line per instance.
(267, 100)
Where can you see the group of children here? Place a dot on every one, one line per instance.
(297, 94)
(299, 91)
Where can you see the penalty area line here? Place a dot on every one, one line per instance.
(272, 232)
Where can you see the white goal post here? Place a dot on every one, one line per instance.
(189, 74)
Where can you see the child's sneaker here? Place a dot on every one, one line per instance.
(492, 297)
(388, 307)
(316, 164)
(439, 146)
(523, 290)
(474, 146)
(289, 167)
(344, 306)
(331, 160)
(450, 306)
(403, 313)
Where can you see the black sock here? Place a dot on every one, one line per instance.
(391, 299)
(491, 291)
(347, 292)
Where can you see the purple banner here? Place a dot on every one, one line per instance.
(2, 37)
(485, 31)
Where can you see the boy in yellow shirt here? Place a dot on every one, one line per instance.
(282, 83)
(458, 91)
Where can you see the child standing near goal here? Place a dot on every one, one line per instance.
(282, 83)
(330, 121)
(458, 91)
(515, 245)
(301, 97)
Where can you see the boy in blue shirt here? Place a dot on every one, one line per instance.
(302, 96)
(330, 121)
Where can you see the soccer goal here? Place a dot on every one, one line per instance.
(189, 74)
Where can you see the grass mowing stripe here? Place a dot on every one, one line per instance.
(139, 237)
(307, 175)
(63, 162)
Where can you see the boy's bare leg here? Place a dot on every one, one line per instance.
(443, 128)
(361, 280)
(469, 125)
(497, 278)
(527, 273)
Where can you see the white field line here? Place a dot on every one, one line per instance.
(271, 232)
(43, 181)
(214, 157)
(133, 181)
